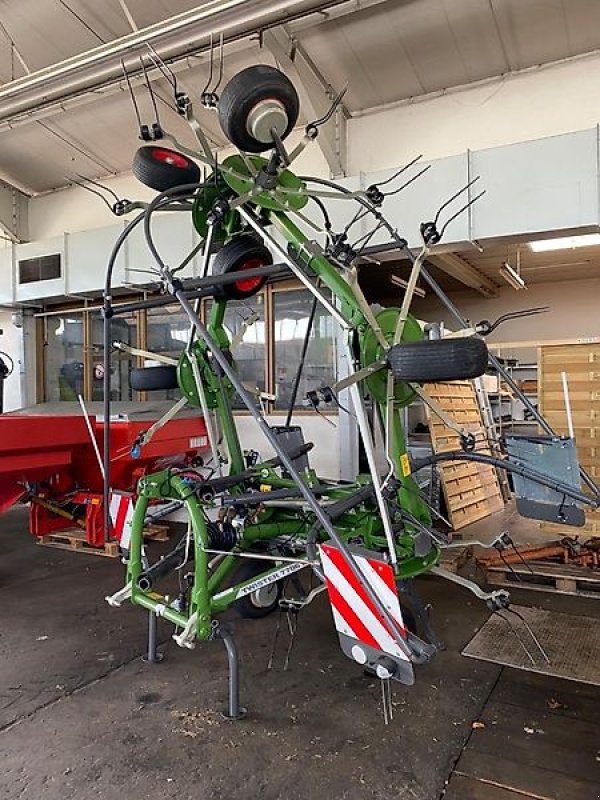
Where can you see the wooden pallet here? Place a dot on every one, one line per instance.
(75, 541)
(472, 490)
(553, 578)
(455, 558)
(157, 533)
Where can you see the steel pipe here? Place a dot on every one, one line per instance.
(176, 37)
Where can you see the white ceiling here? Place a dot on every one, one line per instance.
(389, 51)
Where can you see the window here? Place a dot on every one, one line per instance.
(167, 333)
(267, 333)
(63, 357)
(123, 329)
(291, 312)
(245, 323)
(41, 268)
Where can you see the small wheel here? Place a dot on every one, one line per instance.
(261, 602)
(241, 253)
(439, 360)
(162, 169)
(151, 379)
(255, 102)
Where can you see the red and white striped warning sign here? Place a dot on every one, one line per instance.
(121, 515)
(353, 611)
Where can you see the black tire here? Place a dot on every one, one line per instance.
(439, 360)
(244, 92)
(250, 606)
(243, 252)
(151, 379)
(162, 169)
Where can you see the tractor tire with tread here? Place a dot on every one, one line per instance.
(152, 379)
(439, 360)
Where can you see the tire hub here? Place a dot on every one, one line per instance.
(266, 116)
(265, 596)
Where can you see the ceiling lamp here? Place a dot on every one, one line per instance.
(513, 276)
(565, 243)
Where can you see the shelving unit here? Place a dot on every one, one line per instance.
(508, 411)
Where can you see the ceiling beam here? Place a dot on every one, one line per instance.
(462, 271)
(14, 206)
(316, 95)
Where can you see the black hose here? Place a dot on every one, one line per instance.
(107, 344)
(508, 466)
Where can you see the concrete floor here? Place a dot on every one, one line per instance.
(81, 716)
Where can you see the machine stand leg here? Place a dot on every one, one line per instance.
(152, 655)
(234, 709)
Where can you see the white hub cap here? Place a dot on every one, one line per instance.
(268, 115)
(265, 596)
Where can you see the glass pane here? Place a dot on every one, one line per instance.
(168, 332)
(292, 312)
(245, 325)
(63, 357)
(123, 329)
(246, 329)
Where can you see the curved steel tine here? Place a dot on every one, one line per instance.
(460, 211)
(364, 240)
(454, 196)
(160, 64)
(408, 182)
(512, 544)
(97, 183)
(508, 565)
(150, 90)
(89, 189)
(514, 630)
(330, 112)
(531, 633)
(399, 172)
(210, 68)
(132, 94)
(221, 65)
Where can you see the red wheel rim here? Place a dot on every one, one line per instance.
(170, 157)
(248, 285)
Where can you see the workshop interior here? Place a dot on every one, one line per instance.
(299, 398)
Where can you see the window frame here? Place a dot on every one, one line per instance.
(94, 306)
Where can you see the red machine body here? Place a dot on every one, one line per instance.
(49, 459)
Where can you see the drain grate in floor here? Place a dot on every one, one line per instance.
(572, 644)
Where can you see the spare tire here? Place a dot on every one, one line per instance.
(436, 360)
(254, 101)
(242, 252)
(152, 379)
(161, 168)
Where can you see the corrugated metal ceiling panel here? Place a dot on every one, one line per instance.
(391, 51)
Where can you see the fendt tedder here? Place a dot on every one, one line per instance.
(253, 523)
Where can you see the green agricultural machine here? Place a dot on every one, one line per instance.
(255, 524)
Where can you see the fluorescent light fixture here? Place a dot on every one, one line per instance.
(565, 243)
(512, 277)
(404, 284)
